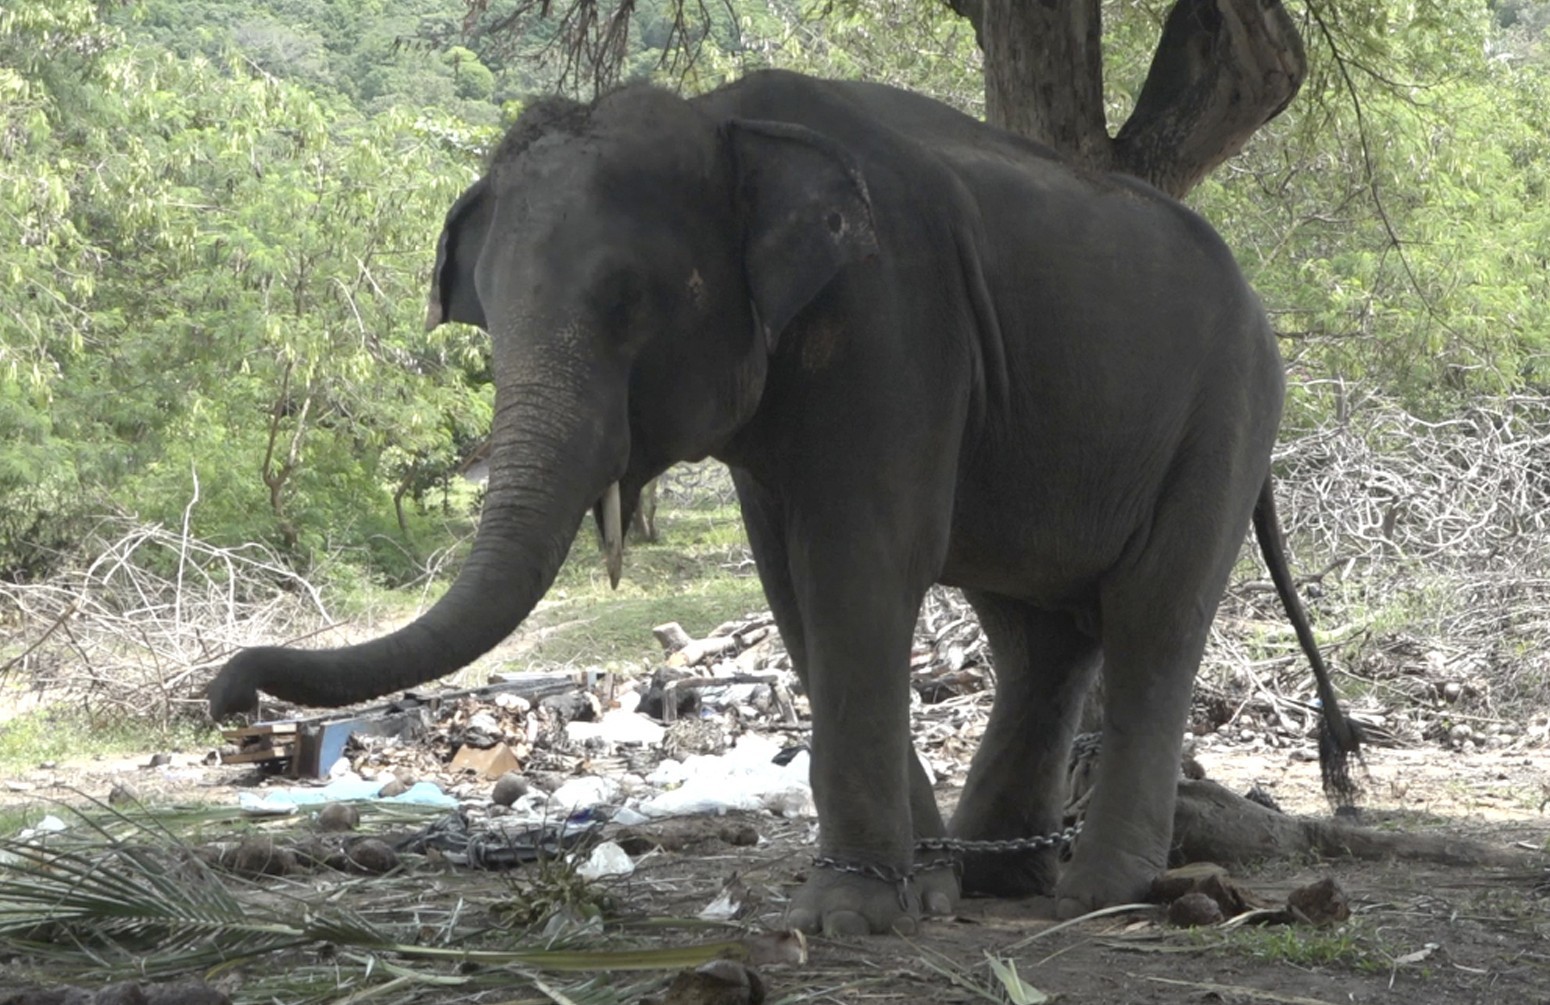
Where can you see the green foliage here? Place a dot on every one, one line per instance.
(1394, 218)
(222, 279)
(215, 221)
(1347, 947)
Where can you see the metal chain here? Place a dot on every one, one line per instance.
(886, 873)
(955, 846)
(1058, 839)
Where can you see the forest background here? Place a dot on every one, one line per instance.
(217, 223)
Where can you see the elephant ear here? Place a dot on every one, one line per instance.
(805, 211)
(453, 296)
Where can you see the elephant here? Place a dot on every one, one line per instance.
(929, 351)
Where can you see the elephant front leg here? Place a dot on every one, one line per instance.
(858, 687)
(869, 885)
(858, 621)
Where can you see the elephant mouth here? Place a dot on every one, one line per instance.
(608, 511)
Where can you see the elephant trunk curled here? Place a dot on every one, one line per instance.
(547, 468)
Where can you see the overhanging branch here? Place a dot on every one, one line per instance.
(1222, 70)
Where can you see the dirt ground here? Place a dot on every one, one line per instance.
(1419, 933)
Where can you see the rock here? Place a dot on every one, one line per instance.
(508, 789)
(339, 817)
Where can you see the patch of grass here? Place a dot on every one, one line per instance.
(550, 887)
(14, 818)
(692, 545)
(1345, 946)
(697, 573)
(67, 731)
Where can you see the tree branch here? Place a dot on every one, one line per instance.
(1222, 70)
(972, 11)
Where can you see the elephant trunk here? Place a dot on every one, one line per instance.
(549, 464)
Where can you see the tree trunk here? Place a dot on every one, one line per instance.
(1222, 69)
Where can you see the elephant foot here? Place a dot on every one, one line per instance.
(1098, 880)
(840, 902)
(937, 881)
(1010, 874)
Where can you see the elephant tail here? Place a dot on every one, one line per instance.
(1339, 739)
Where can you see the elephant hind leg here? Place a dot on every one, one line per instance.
(1016, 784)
(1156, 616)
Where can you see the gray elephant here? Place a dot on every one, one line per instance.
(930, 352)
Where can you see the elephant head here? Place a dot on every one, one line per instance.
(634, 262)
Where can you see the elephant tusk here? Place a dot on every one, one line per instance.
(613, 535)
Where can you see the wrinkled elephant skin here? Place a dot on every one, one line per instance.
(929, 352)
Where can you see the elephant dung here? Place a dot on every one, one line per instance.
(1321, 903)
(1194, 910)
(1204, 879)
(720, 982)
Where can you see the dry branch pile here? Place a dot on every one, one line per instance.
(1422, 550)
(139, 619)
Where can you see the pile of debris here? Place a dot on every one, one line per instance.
(718, 724)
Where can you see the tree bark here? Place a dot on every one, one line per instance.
(1214, 824)
(1223, 68)
(1044, 73)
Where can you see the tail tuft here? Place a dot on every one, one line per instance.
(1340, 740)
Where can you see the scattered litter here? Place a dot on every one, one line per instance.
(264, 805)
(282, 801)
(729, 903)
(617, 727)
(585, 793)
(499, 843)
(606, 860)
(745, 778)
(488, 763)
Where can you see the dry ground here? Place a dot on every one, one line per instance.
(1419, 933)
